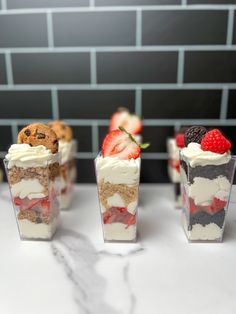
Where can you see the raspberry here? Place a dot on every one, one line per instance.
(180, 140)
(194, 134)
(215, 142)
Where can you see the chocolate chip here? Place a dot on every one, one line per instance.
(40, 136)
(27, 132)
(30, 144)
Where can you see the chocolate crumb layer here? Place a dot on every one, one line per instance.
(33, 216)
(204, 218)
(128, 194)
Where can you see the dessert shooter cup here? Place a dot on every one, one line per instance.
(118, 197)
(68, 171)
(35, 193)
(205, 193)
(174, 169)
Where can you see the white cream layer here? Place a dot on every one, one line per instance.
(197, 157)
(28, 188)
(118, 171)
(209, 232)
(116, 201)
(30, 230)
(174, 175)
(172, 149)
(119, 232)
(26, 156)
(203, 190)
(65, 148)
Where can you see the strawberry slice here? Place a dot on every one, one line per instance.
(216, 206)
(45, 205)
(119, 143)
(192, 207)
(129, 220)
(17, 201)
(131, 122)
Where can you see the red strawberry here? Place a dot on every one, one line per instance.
(214, 141)
(32, 203)
(129, 220)
(192, 207)
(17, 201)
(106, 217)
(118, 143)
(130, 122)
(121, 209)
(179, 138)
(216, 206)
(45, 205)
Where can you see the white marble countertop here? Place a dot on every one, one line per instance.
(78, 273)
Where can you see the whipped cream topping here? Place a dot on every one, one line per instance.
(26, 156)
(198, 157)
(65, 148)
(118, 171)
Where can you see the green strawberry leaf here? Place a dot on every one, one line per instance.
(142, 146)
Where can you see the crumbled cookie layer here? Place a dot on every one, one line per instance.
(43, 175)
(33, 216)
(127, 193)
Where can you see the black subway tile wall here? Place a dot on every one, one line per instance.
(19, 34)
(102, 29)
(173, 62)
(87, 104)
(137, 67)
(187, 28)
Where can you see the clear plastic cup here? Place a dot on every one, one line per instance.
(205, 195)
(118, 205)
(68, 177)
(35, 193)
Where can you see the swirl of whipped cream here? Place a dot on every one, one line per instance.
(26, 156)
(198, 157)
(117, 171)
(65, 148)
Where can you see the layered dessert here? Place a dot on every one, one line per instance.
(67, 149)
(130, 122)
(118, 171)
(207, 170)
(174, 145)
(33, 172)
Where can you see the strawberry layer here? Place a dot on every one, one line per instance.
(174, 164)
(119, 214)
(212, 209)
(41, 205)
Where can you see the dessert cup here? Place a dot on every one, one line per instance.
(174, 169)
(68, 172)
(35, 192)
(118, 191)
(205, 192)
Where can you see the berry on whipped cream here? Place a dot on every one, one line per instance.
(32, 168)
(207, 170)
(118, 172)
(67, 149)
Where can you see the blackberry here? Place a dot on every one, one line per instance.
(194, 134)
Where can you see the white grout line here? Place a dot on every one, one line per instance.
(146, 122)
(91, 3)
(88, 155)
(50, 29)
(93, 67)
(159, 156)
(119, 8)
(118, 48)
(230, 27)
(138, 28)
(184, 3)
(95, 136)
(224, 103)
(180, 69)
(14, 131)
(151, 86)
(177, 126)
(138, 101)
(9, 71)
(55, 105)
(4, 4)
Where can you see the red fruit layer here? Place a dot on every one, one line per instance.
(212, 209)
(179, 138)
(174, 164)
(214, 141)
(42, 204)
(118, 214)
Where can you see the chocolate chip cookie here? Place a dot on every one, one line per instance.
(39, 134)
(63, 131)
